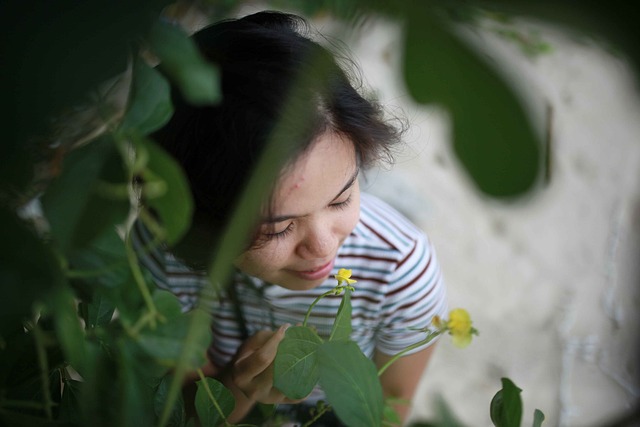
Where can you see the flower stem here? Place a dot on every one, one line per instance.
(430, 336)
(317, 300)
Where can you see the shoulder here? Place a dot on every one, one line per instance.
(383, 226)
(385, 245)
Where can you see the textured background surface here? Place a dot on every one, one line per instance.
(552, 280)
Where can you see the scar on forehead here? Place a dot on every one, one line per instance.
(301, 179)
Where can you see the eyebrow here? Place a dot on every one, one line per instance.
(280, 218)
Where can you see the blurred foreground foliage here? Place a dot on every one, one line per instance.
(85, 337)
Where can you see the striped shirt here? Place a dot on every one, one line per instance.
(399, 288)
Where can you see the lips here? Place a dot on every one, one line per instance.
(317, 273)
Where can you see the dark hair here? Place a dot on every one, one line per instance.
(261, 57)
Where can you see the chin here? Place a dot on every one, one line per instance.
(302, 285)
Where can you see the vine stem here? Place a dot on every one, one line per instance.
(317, 300)
(44, 371)
(335, 291)
(320, 413)
(430, 336)
(146, 318)
(212, 397)
(140, 282)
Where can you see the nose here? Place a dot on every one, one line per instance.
(318, 242)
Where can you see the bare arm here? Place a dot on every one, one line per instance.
(401, 379)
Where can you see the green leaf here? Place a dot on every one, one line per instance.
(350, 381)
(175, 204)
(149, 101)
(76, 204)
(69, 330)
(214, 402)
(166, 342)
(103, 262)
(492, 134)
(136, 396)
(180, 58)
(506, 405)
(178, 415)
(195, 342)
(538, 418)
(101, 277)
(390, 415)
(341, 329)
(167, 304)
(98, 312)
(100, 387)
(295, 369)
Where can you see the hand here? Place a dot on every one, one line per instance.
(252, 370)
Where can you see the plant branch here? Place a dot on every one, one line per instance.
(430, 336)
(317, 416)
(212, 397)
(335, 291)
(140, 282)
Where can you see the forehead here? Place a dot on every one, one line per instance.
(319, 172)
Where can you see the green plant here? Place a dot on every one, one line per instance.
(505, 410)
(347, 376)
(85, 337)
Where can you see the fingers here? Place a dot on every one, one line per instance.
(254, 342)
(253, 370)
(252, 362)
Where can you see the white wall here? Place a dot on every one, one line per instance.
(552, 281)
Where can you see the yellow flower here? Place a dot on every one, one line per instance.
(344, 275)
(459, 326)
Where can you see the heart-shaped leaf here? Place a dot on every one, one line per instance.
(295, 369)
(180, 58)
(149, 105)
(506, 405)
(492, 133)
(350, 381)
(214, 402)
(174, 203)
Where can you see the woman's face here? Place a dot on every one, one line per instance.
(316, 205)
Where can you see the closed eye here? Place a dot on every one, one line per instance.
(341, 205)
(279, 234)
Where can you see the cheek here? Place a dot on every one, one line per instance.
(350, 219)
(259, 260)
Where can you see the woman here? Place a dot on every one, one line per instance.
(276, 80)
